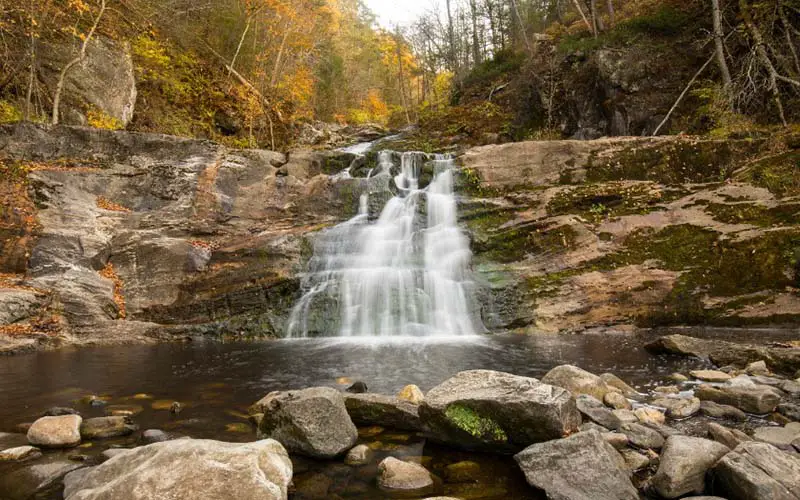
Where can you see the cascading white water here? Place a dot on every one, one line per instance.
(406, 273)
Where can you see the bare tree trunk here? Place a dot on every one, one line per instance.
(400, 76)
(72, 63)
(476, 49)
(241, 41)
(276, 69)
(596, 19)
(585, 20)
(683, 94)
(521, 26)
(761, 52)
(31, 79)
(611, 14)
(451, 39)
(787, 30)
(720, 51)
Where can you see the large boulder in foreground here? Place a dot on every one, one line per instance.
(684, 463)
(779, 359)
(187, 468)
(386, 411)
(494, 411)
(580, 467)
(312, 422)
(758, 470)
(56, 432)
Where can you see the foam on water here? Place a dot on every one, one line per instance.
(406, 273)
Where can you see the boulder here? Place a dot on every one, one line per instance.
(597, 412)
(756, 399)
(616, 439)
(649, 415)
(726, 436)
(634, 460)
(386, 411)
(617, 401)
(412, 394)
(107, 427)
(359, 455)
(756, 471)
(790, 411)
(19, 454)
(716, 410)
(710, 375)
(678, 407)
(684, 463)
(613, 381)
(581, 467)
(577, 381)
(643, 437)
(312, 422)
(404, 478)
(187, 468)
(779, 359)
(357, 387)
(757, 368)
(495, 411)
(56, 432)
(38, 480)
(626, 416)
(781, 437)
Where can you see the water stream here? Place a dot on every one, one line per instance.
(404, 272)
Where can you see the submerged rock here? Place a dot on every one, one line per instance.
(580, 467)
(312, 422)
(359, 455)
(386, 411)
(187, 468)
(56, 432)
(107, 427)
(756, 471)
(462, 472)
(398, 477)
(683, 466)
(495, 411)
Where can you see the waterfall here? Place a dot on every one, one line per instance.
(404, 273)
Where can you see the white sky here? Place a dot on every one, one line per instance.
(403, 12)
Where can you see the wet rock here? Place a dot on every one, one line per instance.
(779, 359)
(495, 411)
(781, 437)
(678, 408)
(679, 377)
(684, 463)
(462, 472)
(649, 415)
(113, 452)
(175, 408)
(613, 381)
(726, 436)
(643, 437)
(40, 479)
(398, 477)
(756, 399)
(187, 468)
(19, 454)
(151, 436)
(58, 411)
(312, 422)
(594, 410)
(386, 411)
(715, 410)
(710, 375)
(625, 416)
(790, 411)
(357, 387)
(634, 460)
(757, 368)
(580, 467)
(577, 381)
(667, 389)
(758, 470)
(359, 455)
(123, 410)
(107, 427)
(56, 432)
(617, 401)
(412, 394)
(313, 485)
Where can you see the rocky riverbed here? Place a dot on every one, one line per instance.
(730, 430)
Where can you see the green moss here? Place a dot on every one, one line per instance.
(480, 427)
(779, 174)
(757, 215)
(594, 202)
(675, 162)
(515, 244)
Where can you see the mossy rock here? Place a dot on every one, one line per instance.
(471, 422)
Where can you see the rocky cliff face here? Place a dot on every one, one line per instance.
(570, 235)
(118, 236)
